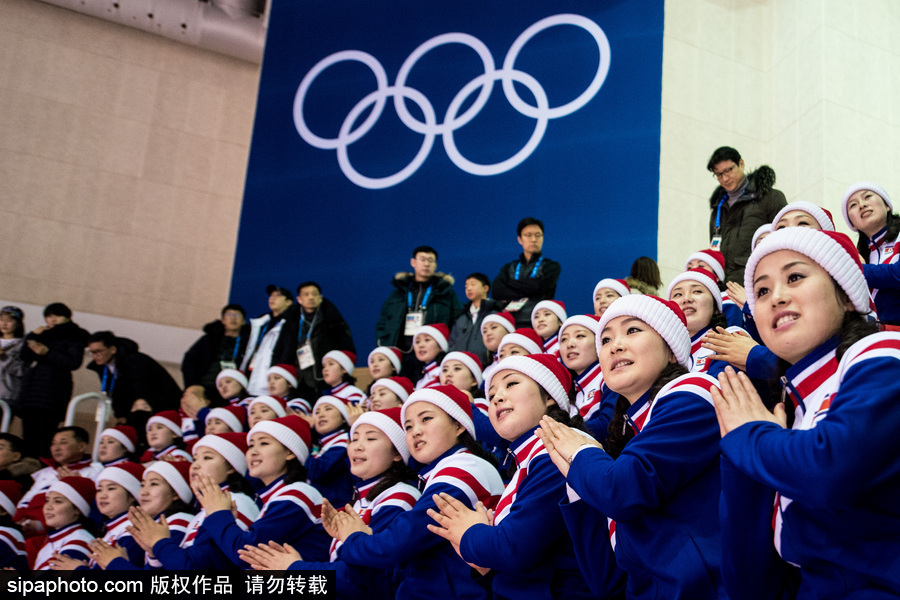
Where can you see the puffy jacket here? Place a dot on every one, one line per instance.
(47, 383)
(443, 307)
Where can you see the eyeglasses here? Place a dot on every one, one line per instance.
(426, 259)
(722, 174)
(532, 236)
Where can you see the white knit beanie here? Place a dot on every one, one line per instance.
(388, 421)
(700, 276)
(816, 212)
(863, 185)
(664, 316)
(544, 369)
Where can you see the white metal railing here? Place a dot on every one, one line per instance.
(6, 418)
(101, 415)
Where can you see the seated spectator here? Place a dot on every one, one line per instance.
(714, 263)
(137, 385)
(546, 319)
(50, 354)
(222, 346)
(12, 542)
(430, 345)
(265, 408)
(232, 386)
(316, 329)
(69, 528)
(117, 445)
(531, 278)
(644, 277)
(465, 335)
(164, 438)
(328, 465)
(281, 381)
(420, 298)
(68, 452)
(390, 392)
(384, 361)
(607, 291)
(493, 328)
(194, 410)
(803, 214)
(521, 342)
(12, 339)
(337, 371)
(269, 343)
(14, 465)
(226, 419)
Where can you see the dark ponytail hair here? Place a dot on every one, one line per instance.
(718, 319)
(619, 431)
(469, 443)
(398, 472)
(237, 483)
(296, 472)
(178, 506)
(893, 230)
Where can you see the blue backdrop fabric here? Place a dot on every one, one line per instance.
(381, 126)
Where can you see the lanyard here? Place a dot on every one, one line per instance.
(112, 384)
(262, 333)
(409, 298)
(237, 344)
(300, 337)
(533, 271)
(719, 211)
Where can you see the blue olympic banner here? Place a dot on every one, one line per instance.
(384, 126)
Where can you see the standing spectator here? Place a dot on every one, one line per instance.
(12, 338)
(644, 276)
(529, 279)
(465, 335)
(314, 331)
(267, 346)
(50, 354)
(738, 206)
(423, 297)
(222, 347)
(137, 385)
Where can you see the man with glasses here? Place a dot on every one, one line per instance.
(529, 279)
(423, 297)
(739, 205)
(222, 346)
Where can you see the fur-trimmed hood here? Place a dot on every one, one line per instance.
(403, 278)
(759, 183)
(641, 286)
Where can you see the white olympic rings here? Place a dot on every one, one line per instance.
(541, 111)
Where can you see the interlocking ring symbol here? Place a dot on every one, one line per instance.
(430, 127)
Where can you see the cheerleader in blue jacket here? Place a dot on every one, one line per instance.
(661, 491)
(328, 467)
(525, 550)
(834, 476)
(378, 456)
(440, 435)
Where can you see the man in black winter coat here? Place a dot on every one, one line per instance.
(465, 335)
(314, 331)
(50, 355)
(222, 347)
(138, 385)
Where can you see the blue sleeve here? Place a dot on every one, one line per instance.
(751, 568)
(76, 554)
(200, 421)
(122, 564)
(882, 276)
(733, 315)
(135, 553)
(404, 539)
(679, 442)
(716, 367)
(524, 535)
(331, 462)
(750, 324)
(198, 557)
(485, 432)
(761, 363)
(829, 465)
(595, 557)
(283, 521)
(598, 425)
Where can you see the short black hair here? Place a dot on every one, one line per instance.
(283, 291)
(309, 284)
(107, 338)
(15, 442)
(79, 432)
(58, 309)
(529, 221)
(236, 307)
(427, 249)
(722, 154)
(480, 277)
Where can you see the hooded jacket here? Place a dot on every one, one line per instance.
(47, 382)
(757, 206)
(443, 307)
(199, 357)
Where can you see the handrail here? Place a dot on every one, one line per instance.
(6, 418)
(104, 408)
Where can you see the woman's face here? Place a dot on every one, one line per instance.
(7, 324)
(516, 403)
(577, 348)
(545, 322)
(156, 494)
(798, 306)
(112, 499)
(209, 462)
(797, 218)
(217, 425)
(159, 436)
(110, 448)
(383, 398)
(58, 511)
(455, 373)
(426, 348)
(229, 388)
(260, 412)
(430, 431)
(512, 350)
(491, 334)
(632, 356)
(266, 457)
(695, 302)
(332, 372)
(371, 452)
(603, 298)
(380, 366)
(867, 211)
(327, 418)
(278, 385)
